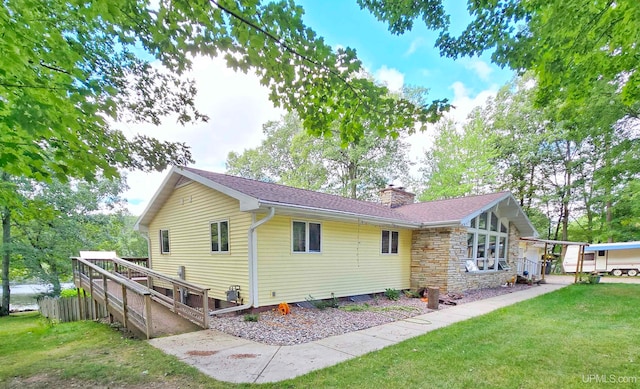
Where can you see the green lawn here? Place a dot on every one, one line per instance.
(560, 340)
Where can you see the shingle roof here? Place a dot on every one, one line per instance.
(286, 195)
(450, 210)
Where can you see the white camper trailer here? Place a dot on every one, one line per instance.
(613, 258)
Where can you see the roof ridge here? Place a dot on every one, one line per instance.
(459, 198)
(287, 186)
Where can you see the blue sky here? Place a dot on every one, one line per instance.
(238, 106)
(413, 54)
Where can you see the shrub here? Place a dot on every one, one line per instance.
(254, 317)
(322, 304)
(411, 294)
(392, 294)
(70, 292)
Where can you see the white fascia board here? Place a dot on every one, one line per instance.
(446, 223)
(339, 215)
(247, 203)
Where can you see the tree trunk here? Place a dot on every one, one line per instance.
(353, 185)
(6, 256)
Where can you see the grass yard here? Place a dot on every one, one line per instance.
(575, 337)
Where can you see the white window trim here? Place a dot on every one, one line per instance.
(390, 242)
(162, 252)
(306, 237)
(219, 237)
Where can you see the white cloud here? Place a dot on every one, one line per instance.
(464, 101)
(479, 67)
(392, 78)
(237, 106)
(414, 46)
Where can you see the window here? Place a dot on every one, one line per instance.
(487, 243)
(306, 237)
(389, 242)
(220, 237)
(164, 242)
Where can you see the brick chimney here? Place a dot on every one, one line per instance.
(394, 197)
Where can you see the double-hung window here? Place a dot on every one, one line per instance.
(164, 242)
(389, 242)
(220, 237)
(306, 237)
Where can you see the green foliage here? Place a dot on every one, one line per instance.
(60, 219)
(356, 307)
(252, 317)
(323, 304)
(411, 293)
(73, 292)
(392, 294)
(460, 163)
(291, 156)
(568, 44)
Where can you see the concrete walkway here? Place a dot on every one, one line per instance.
(232, 359)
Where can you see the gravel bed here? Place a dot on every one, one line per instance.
(304, 325)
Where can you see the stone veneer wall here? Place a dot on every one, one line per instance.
(437, 260)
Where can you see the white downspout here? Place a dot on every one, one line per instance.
(253, 266)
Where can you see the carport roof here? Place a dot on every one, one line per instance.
(613, 246)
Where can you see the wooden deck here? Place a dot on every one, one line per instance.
(140, 308)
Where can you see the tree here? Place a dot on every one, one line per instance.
(519, 127)
(568, 44)
(290, 156)
(460, 163)
(69, 69)
(60, 219)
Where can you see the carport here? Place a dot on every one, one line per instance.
(563, 243)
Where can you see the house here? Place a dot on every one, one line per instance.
(259, 244)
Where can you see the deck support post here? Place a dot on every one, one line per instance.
(105, 288)
(205, 309)
(147, 309)
(125, 316)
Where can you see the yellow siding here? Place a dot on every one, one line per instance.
(187, 214)
(350, 262)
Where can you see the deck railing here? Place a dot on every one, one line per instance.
(196, 311)
(126, 299)
(534, 268)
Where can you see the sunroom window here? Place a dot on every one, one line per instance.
(487, 242)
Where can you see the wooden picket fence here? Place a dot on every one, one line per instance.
(68, 309)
